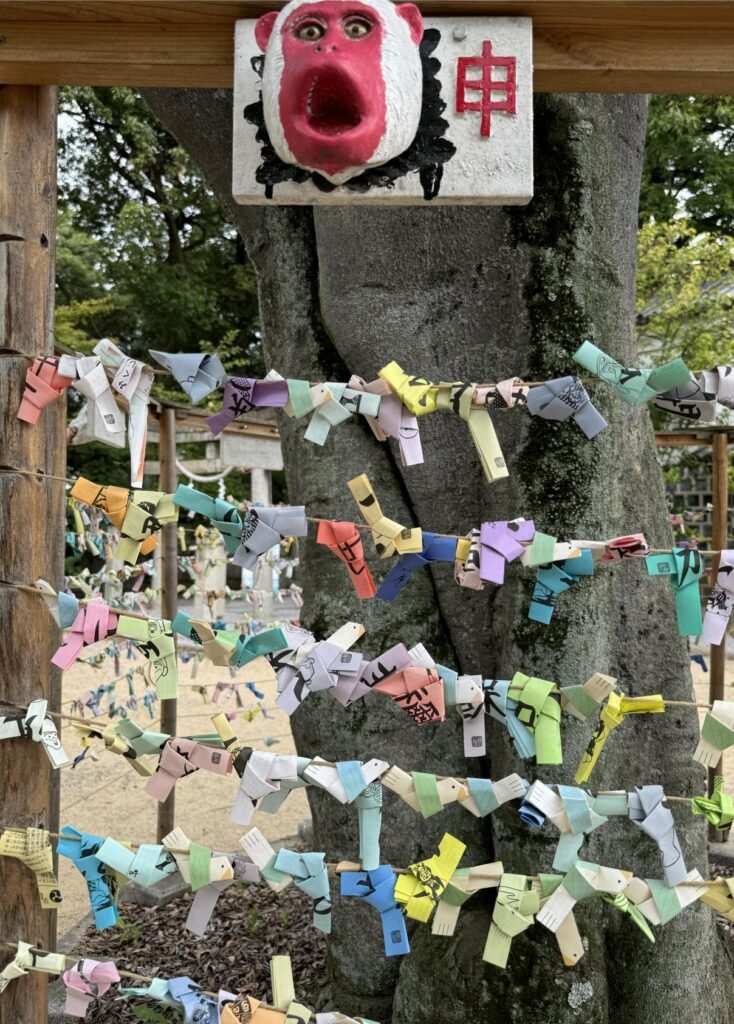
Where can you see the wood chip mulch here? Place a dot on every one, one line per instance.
(723, 868)
(250, 924)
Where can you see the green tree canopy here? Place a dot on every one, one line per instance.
(685, 273)
(689, 162)
(145, 253)
(685, 259)
(685, 293)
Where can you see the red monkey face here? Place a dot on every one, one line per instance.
(342, 83)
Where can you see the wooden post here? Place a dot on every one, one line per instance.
(720, 524)
(169, 583)
(32, 509)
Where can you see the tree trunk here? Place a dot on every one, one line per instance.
(485, 293)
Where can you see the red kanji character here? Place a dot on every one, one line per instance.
(486, 86)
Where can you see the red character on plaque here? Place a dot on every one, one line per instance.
(494, 94)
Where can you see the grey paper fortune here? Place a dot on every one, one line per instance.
(648, 810)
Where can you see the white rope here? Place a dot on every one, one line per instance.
(203, 479)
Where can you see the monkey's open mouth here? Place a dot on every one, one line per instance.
(332, 103)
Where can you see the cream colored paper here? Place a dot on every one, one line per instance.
(33, 848)
(389, 537)
(719, 722)
(177, 841)
(401, 783)
(601, 879)
(261, 853)
(639, 893)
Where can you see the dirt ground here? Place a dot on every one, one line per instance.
(107, 798)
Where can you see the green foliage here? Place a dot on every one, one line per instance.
(689, 162)
(685, 272)
(685, 257)
(151, 1015)
(128, 933)
(100, 463)
(145, 256)
(145, 253)
(685, 294)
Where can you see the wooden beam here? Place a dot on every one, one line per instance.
(692, 437)
(674, 440)
(189, 418)
(604, 46)
(33, 510)
(243, 426)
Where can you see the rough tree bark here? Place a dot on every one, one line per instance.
(484, 293)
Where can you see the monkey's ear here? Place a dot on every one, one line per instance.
(264, 28)
(411, 16)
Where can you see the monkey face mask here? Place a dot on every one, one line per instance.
(342, 83)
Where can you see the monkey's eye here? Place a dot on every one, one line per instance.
(356, 27)
(310, 31)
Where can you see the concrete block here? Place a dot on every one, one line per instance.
(305, 832)
(156, 895)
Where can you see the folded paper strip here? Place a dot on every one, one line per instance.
(43, 385)
(636, 387)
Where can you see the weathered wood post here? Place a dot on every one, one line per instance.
(169, 581)
(720, 530)
(32, 518)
